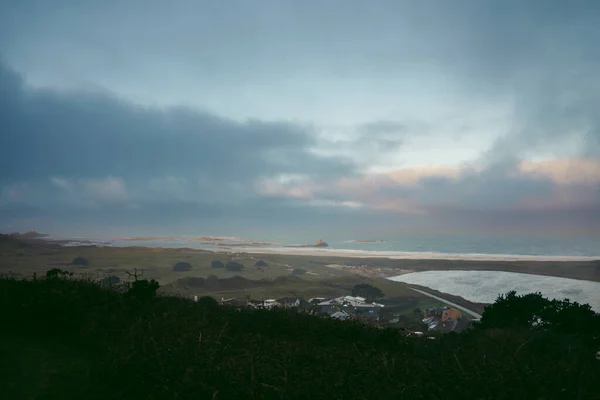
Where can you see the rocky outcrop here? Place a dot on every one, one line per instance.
(319, 243)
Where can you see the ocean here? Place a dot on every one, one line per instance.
(415, 245)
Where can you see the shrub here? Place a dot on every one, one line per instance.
(143, 289)
(110, 281)
(182, 266)
(56, 273)
(234, 266)
(208, 303)
(261, 263)
(298, 271)
(80, 261)
(84, 342)
(217, 264)
(367, 291)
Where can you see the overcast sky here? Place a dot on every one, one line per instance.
(212, 117)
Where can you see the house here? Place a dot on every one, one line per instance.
(270, 303)
(443, 313)
(370, 313)
(254, 303)
(445, 319)
(451, 314)
(304, 305)
(355, 299)
(288, 302)
(353, 305)
(341, 315)
(234, 302)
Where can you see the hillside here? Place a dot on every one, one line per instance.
(66, 338)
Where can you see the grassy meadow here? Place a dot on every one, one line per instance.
(274, 281)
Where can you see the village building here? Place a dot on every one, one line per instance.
(445, 319)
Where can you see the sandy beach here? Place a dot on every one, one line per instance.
(397, 255)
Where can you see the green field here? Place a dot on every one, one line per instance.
(274, 281)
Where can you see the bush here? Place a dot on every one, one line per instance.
(298, 271)
(182, 266)
(110, 281)
(261, 263)
(369, 292)
(217, 264)
(56, 273)
(81, 341)
(234, 266)
(80, 261)
(143, 289)
(208, 303)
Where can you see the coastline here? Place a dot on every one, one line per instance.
(380, 264)
(338, 249)
(327, 271)
(400, 255)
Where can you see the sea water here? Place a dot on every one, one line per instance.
(491, 247)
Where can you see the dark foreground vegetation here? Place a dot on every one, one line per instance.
(66, 338)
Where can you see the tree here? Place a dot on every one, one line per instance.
(367, 291)
(234, 266)
(511, 311)
(141, 289)
(217, 264)
(533, 311)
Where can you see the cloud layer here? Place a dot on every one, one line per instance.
(461, 115)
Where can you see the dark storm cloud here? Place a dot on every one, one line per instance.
(92, 135)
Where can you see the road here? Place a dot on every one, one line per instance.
(473, 313)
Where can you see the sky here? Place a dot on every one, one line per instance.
(255, 117)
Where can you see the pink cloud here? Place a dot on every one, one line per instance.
(565, 172)
(575, 184)
(412, 176)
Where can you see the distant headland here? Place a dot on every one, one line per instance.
(319, 243)
(366, 241)
(28, 235)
